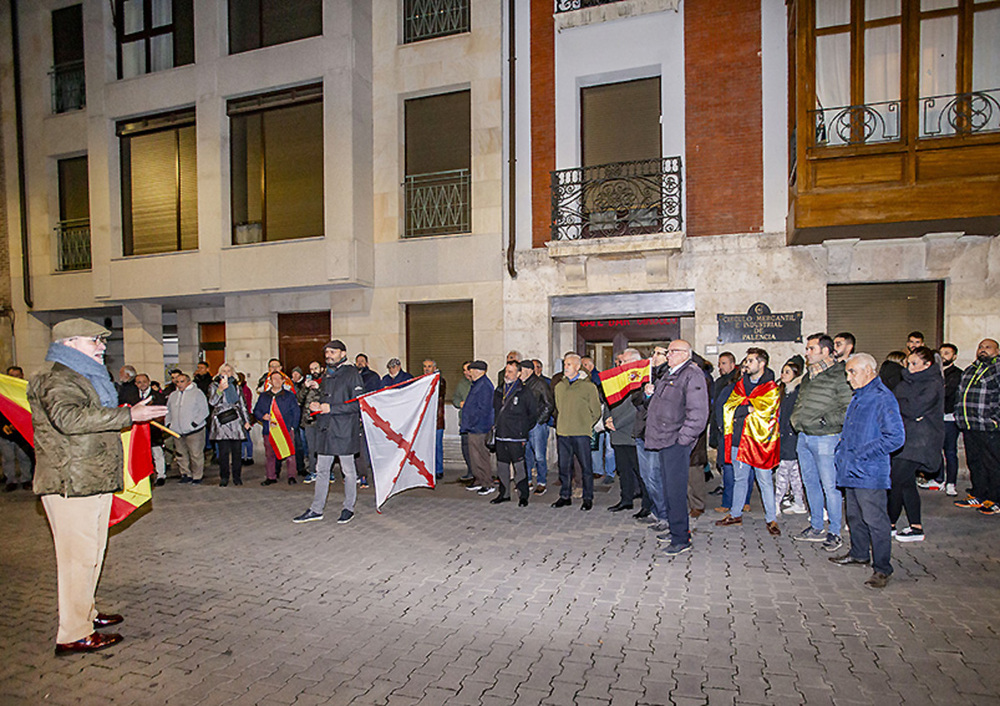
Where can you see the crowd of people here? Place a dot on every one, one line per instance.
(832, 434)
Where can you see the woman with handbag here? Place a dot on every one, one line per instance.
(920, 394)
(229, 424)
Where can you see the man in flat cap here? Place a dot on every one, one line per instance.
(338, 429)
(77, 421)
(477, 419)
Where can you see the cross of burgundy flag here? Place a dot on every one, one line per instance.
(400, 425)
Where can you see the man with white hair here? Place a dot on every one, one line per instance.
(872, 430)
(578, 407)
(678, 413)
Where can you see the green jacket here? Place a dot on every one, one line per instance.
(578, 406)
(822, 402)
(78, 446)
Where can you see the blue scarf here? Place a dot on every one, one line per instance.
(96, 373)
(231, 393)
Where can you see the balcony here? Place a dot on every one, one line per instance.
(73, 245)
(617, 199)
(856, 124)
(960, 114)
(437, 203)
(427, 19)
(68, 87)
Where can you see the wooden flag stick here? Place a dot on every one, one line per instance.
(163, 428)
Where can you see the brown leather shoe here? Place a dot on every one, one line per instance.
(722, 509)
(877, 580)
(729, 520)
(773, 529)
(106, 620)
(697, 513)
(92, 643)
(746, 508)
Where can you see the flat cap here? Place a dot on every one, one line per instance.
(526, 365)
(393, 362)
(336, 344)
(73, 328)
(477, 365)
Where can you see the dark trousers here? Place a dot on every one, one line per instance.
(948, 471)
(465, 454)
(230, 459)
(674, 464)
(627, 463)
(871, 534)
(903, 493)
(569, 447)
(982, 452)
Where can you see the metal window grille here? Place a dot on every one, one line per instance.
(857, 124)
(960, 113)
(438, 203)
(74, 244)
(621, 198)
(426, 19)
(68, 87)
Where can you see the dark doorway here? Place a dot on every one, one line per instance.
(301, 338)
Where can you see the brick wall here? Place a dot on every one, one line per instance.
(722, 74)
(543, 119)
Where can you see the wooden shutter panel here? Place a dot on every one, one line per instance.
(74, 192)
(621, 122)
(438, 133)
(442, 331)
(293, 164)
(154, 192)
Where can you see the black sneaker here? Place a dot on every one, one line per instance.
(345, 517)
(268, 481)
(160, 482)
(185, 479)
(308, 516)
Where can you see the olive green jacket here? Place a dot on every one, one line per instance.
(78, 447)
(578, 405)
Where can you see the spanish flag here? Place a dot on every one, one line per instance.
(138, 469)
(760, 440)
(138, 465)
(281, 439)
(621, 381)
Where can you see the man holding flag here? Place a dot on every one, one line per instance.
(277, 409)
(77, 424)
(338, 431)
(752, 439)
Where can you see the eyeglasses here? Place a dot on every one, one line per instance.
(660, 352)
(676, 350)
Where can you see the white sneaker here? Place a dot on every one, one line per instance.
(949, 489)
(909, 534)
(795, 510)
(474, 487)
(487, 491)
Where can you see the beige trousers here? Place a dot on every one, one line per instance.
(190, 452)
(80, 532)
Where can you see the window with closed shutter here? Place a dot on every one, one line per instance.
(263, 23)
(881, 315)
(159, 184)
(621, 122)
(441, 331)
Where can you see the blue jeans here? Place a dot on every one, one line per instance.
(820, 479)
(247, 450)
(744, 474)
(568, 447)
(729, 484)
(535, 452)
(603, 458)
(674, 461)
(649, 470)
(439, 454)
(948, 471)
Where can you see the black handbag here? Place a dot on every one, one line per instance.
(227, 416)
(491, 440)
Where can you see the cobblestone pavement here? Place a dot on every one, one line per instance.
(445, 599)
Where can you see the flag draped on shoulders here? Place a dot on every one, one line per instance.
(760, 440)
(278, 434)
(617, 383)
(402, 435)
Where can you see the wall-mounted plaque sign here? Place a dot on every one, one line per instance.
(759, 324)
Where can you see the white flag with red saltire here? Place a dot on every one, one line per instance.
(400, 425)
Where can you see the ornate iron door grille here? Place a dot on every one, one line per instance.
(621, 198)
(437, 203)
(68, 87)
(426, 19)
(74, 244)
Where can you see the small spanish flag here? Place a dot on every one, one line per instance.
(623, 380)
(281, 439)
(138, 469)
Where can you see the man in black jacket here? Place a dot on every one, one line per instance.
(338, 431)
(538, 438)
(515, 413)
(947, 474)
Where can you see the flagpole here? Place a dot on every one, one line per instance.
(163, 428)
(398, 384)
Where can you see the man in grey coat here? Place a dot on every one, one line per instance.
(338, 431)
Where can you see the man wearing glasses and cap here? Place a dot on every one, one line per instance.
(77, 423)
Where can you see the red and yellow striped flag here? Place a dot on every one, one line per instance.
(621, 381)
(760, 441)
(138, 468)
(14, 406)
(278, 434)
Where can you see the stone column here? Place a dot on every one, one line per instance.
(142, 330)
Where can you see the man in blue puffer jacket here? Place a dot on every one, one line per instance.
(872, 430)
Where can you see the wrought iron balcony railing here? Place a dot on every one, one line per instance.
(68, 87)
(568, 5)
(621, 198)
(856, 124)
(960, 113)
(426, 19)
(438, 203)
(73, 244)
